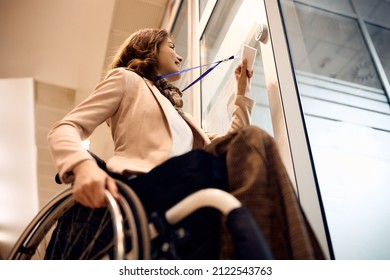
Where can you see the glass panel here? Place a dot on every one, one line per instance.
(374, 10)
(180, 37)
(381, 38)
(331, 46)
(202, 6)
(332, 5)
(218, 26)
(232, 24)
(347, 117)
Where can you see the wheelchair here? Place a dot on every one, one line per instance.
(148, 221)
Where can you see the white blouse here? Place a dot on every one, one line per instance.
(182, 137)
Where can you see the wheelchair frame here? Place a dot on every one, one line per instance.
(34, 238)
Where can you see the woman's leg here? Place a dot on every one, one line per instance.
(258, 178)
(168, 184)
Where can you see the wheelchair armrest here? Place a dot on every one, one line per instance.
(249, 241)
(100, 162)
(216, 198)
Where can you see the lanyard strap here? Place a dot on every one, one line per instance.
(213, 65)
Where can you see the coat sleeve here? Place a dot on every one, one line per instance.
(65, 136)
(242, 112)
(241, 115)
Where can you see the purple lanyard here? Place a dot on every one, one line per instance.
(213, 65)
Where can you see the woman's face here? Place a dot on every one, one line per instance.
(168, 60)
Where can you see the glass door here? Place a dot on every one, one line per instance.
(224, 27)
(231, 25)
(340, 69)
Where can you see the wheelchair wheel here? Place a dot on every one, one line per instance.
(33, 242)
(136, 218)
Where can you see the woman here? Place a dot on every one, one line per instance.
(148, 127)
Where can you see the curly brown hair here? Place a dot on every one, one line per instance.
(139, 52)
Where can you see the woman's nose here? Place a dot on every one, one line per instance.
(179, 58)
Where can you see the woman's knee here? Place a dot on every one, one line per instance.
(255, 133)
(255, 137)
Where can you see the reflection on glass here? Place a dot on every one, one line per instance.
(218, 25)
(381, 39)
(232, 24)
(332, 5)
(202, 6)
(332, 46)
(373, 10)
(347, 117)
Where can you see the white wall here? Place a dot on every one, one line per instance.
(59, 42)
(18, 176)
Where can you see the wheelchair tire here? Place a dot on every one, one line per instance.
(136, 212)
(34, 240)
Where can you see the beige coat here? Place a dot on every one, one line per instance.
(140, 129)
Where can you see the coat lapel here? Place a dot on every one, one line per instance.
(159, 97)
(200, 138)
